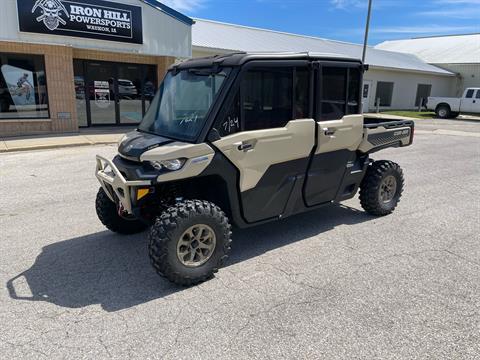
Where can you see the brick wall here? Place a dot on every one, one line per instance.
(61, 91)
(59, 74)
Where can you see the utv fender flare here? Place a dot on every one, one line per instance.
(219, 184)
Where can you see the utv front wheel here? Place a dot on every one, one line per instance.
(107, 212)
(381, 188)
(189, 242)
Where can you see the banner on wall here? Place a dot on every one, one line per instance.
(95, 19)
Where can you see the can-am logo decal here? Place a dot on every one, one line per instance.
(51, 13)
(96, 19)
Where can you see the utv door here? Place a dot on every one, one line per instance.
(268, 134)
(339, 130)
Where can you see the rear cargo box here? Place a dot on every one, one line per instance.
(381, 133)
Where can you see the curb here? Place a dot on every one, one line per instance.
(52, 146)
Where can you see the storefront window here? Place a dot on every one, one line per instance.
(23, 87)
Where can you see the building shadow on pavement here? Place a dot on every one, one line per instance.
(114, 271)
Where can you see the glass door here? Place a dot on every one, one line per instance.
(80, 98)
(101, 92)
(130, 93)
(112, 93)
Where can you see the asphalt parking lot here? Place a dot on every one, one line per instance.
(333, 283)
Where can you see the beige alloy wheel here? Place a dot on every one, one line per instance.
(388, 189)
(196, 245)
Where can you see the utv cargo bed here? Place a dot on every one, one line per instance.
(380, 133)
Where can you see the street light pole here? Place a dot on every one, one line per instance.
(367, 27)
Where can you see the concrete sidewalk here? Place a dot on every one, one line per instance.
(84, 137)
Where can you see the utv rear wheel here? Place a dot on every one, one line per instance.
(190, 241)
(107, 212)
(381, 188)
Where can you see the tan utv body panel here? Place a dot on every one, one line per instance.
(198, 157)
(401, 134)
(348, 134)
(270, 146)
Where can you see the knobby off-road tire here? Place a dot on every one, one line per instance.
(381, 188)
(108, 215)
(173, 237)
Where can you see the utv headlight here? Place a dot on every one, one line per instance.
(124, 137)
(172, 165)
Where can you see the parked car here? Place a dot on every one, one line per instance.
(449, 107)
(126, 88)
(223, 143)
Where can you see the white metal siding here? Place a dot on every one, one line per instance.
(405, 86)
(470, 75)
(162, 34)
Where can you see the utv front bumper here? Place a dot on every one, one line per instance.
(116, 186)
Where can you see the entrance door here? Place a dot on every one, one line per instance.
(80, 93)
(367, 86)
(113, 93)
(129, 93)
(102, 93)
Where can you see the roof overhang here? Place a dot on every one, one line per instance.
(169, 11)
(386, 68)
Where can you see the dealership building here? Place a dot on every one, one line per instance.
(68, 64)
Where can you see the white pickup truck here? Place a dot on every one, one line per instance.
(447, 107)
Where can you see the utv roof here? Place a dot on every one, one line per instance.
(239, 58)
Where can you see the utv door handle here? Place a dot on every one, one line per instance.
(329, 132)
(244, 146)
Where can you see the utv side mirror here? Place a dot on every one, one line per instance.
(214, 135)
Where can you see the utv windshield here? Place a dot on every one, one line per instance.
(180, 107)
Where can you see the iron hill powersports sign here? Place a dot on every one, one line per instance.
(96, 19)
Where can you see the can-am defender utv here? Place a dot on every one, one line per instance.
(245, 139)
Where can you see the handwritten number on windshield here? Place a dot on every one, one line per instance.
(189, 118)
(231, 125)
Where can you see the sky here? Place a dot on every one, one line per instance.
(343, 19)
